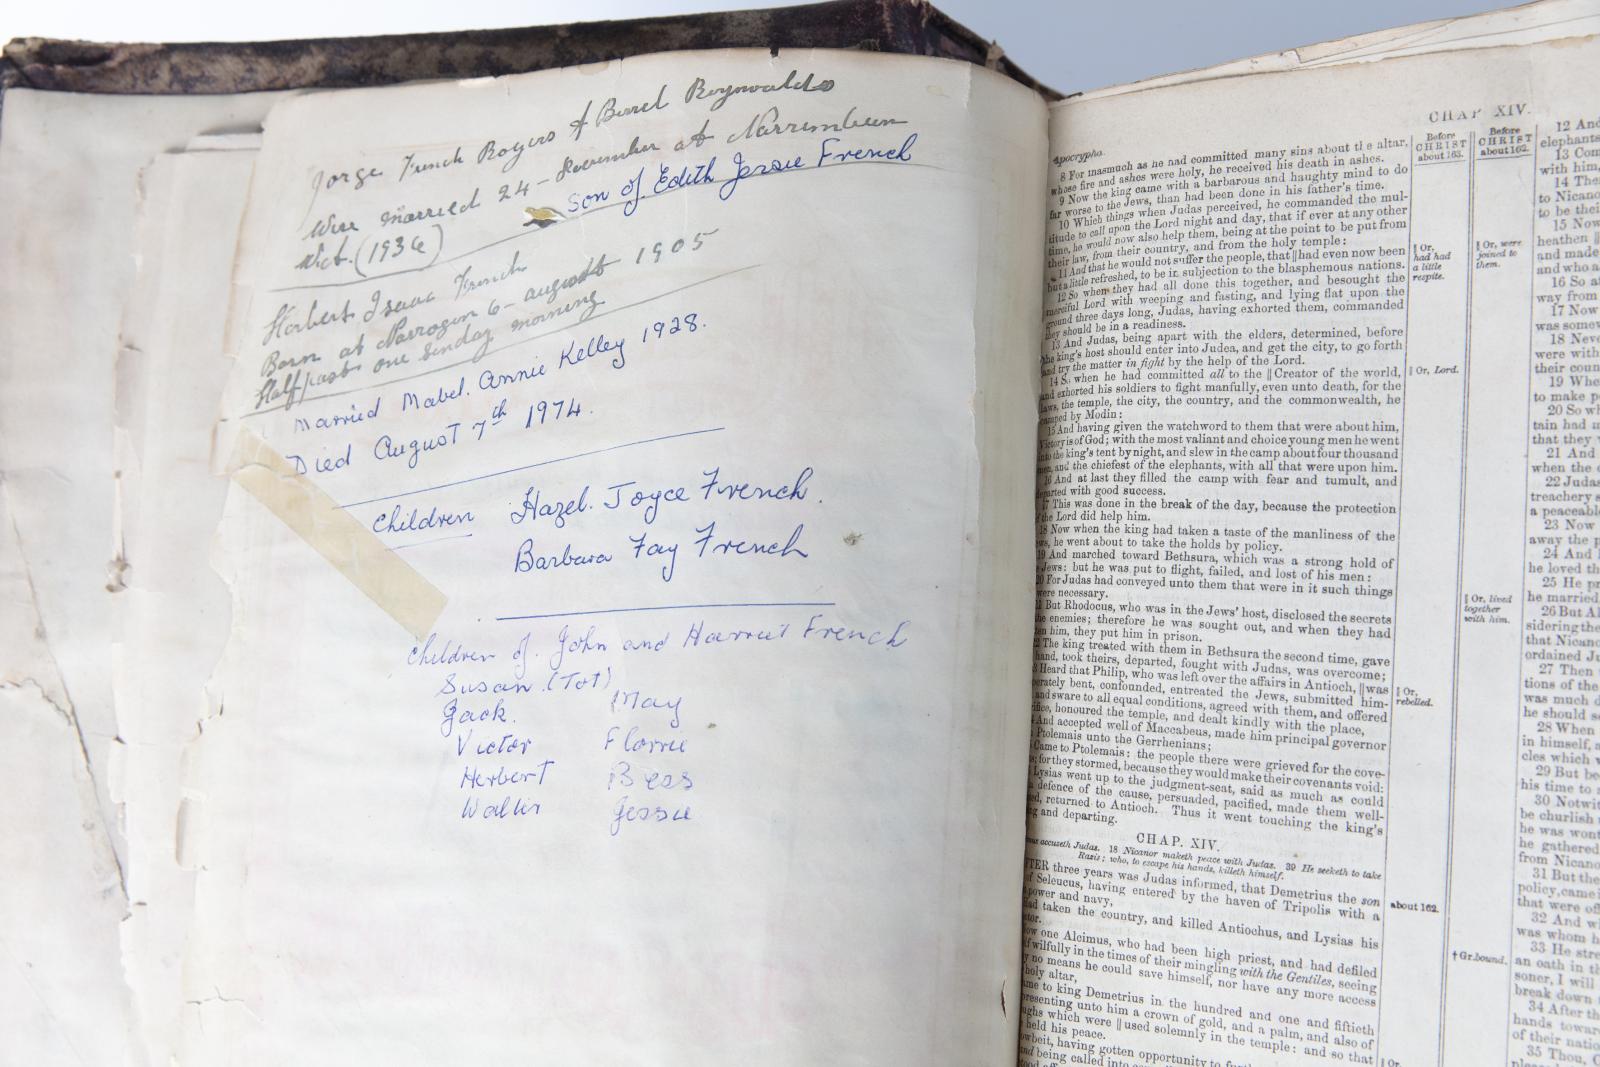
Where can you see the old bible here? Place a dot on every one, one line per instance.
(800, 554)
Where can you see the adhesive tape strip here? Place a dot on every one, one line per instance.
(355, 552)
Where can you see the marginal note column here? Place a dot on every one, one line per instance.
(1483, 742)
(1424, 636)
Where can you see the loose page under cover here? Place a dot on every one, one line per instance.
(630, 551)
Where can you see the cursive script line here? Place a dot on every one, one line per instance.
(672, 607)
(568, 328)
(523, 232)
(429, 541)
(531, 466)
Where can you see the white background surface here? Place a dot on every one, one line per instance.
(1068, 44)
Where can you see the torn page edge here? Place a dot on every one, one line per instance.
(131, 372)
(37, 669)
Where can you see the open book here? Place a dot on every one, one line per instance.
(601, 574)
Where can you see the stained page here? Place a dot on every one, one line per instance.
(1531, 23)
(69, 197)
(172, 613)
(1314, 762)
(630, 543)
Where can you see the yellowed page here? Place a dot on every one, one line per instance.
(172, 612)
(1314, 762)
(1524, 24)
(69, 197)
(630, 545)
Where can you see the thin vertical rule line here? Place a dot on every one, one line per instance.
(1394, 638)
(1522, 613)
(1461, 557)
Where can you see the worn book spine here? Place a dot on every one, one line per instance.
(909, 27)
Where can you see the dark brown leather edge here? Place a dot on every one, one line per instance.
(911, 27)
